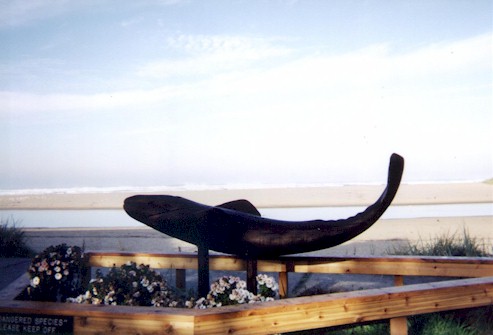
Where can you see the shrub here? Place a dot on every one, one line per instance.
(230, 290)
(439, 325)
(139, 285)
(480, 319)
(130, 285)
(12, 240)
(57, 273)
(445, 245)
(368, 329)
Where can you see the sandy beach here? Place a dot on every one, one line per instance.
(383, 236)
(378, 239)
(351, 195)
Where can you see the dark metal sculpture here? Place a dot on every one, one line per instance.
(237, 228)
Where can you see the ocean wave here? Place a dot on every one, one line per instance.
(197, 187)
(186, 187)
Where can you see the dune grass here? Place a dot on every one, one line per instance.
(446, 245)
(12, 240)
(488, 181)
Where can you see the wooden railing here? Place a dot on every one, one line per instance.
(288, 314)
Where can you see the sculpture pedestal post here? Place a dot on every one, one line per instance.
(251, 265)
(203, 264)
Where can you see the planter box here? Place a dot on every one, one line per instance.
(283, 315)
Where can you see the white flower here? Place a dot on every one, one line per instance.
(58, 276)
(96, 301)
(238, 295)
(144, 282)
(57, 269)
(35, 281)
(217, 288)
(108, 299)
(66, 272)
(69, 251)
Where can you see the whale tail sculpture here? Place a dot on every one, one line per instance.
(237, 228)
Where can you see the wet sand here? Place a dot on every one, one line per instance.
(351, 195)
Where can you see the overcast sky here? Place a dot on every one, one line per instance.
(146, 93)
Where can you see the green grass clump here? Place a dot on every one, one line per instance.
(12, 240)
(368, 329)
(445, 245)
(440, 325)
(373, 329)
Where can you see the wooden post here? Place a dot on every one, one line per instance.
(283, 285)
(398, 326)
(203, 263)
(180, 279)
(251, 265)
(86, 275)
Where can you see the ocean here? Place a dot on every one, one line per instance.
(107, 218)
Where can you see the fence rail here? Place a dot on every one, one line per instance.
(285, 315)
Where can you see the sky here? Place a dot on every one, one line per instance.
(186, 92)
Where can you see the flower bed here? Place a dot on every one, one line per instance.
(59, 272)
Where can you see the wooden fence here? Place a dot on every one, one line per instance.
(474, 289)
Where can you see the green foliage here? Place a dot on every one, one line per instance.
(231, 290)
(57, 273)
(373, 329)
(432, 324)
(480, 319)
(13, 240)
(440, 325)
(130, 285)
(369, 329)
(445, 245)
